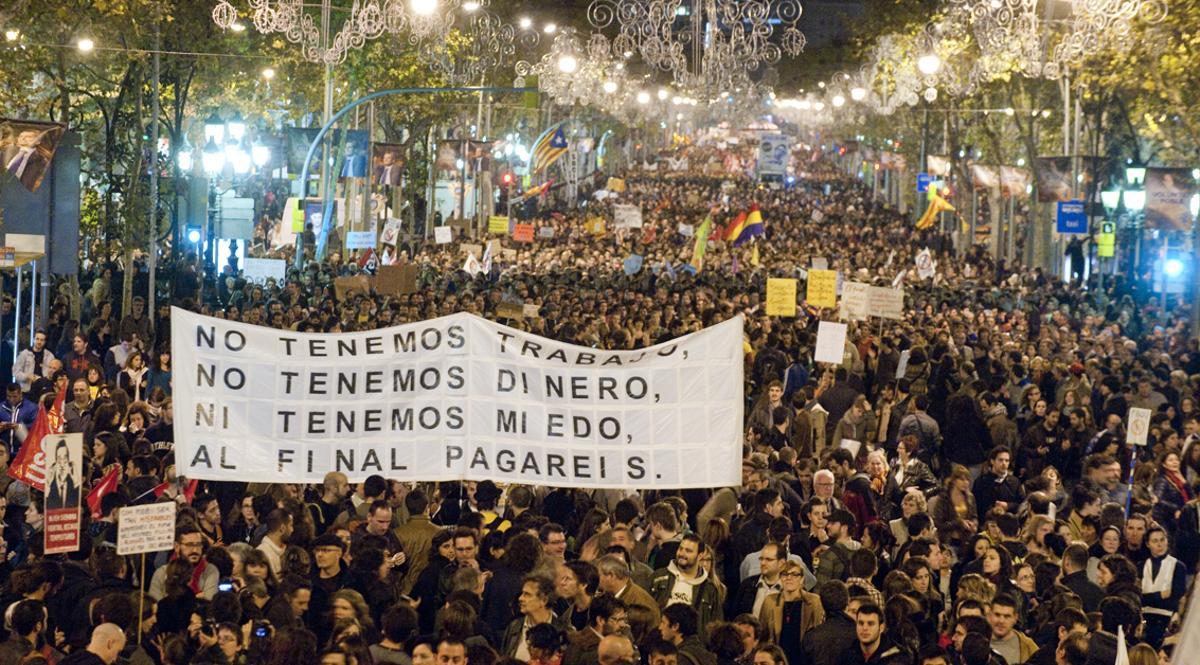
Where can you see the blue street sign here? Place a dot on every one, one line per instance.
(1071, 217)
(923, 180)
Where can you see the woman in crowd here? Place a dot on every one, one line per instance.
(953, 511)
(1170, 489)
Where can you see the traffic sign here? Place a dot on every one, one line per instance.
(1072, 217)
(923, 180)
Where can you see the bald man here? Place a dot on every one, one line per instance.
(614, 649)
(107, 642)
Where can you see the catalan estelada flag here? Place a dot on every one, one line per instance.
(549, 147)
(745, 227)
(937, 205)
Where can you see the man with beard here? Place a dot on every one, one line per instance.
(685, 581)
(189, 546)
(1040, 439)
(608, 617)
(34, 362)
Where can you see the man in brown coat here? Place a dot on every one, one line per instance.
(608, 617)
(615, 581)
(416, 537)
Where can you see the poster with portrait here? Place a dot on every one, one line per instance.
(1014, 181)
(27, 148)
(387, 164)
(64, 477)
(1053, 179)
(1168, 199)
(984, 177)
(938, 165)
(774, 153)
(353, 166)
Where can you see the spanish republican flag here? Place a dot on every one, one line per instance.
(746, 226)
(937, 205)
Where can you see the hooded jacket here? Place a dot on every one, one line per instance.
(706, 597)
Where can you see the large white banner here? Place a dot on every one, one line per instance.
(457, 397)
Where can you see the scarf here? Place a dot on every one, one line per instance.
(1166, 574)
(1180, 484)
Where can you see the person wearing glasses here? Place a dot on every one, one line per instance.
(790, 612)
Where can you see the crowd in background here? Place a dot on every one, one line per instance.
(958, 491)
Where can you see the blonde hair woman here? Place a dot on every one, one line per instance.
(1034, 533)
(777, 605)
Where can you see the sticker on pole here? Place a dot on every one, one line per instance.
(1139, 426)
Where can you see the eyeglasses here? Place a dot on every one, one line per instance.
(792, 573)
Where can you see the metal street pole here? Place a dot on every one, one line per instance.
(155, 110)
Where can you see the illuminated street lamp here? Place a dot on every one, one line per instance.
(929, 64)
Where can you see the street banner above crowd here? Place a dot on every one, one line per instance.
(1169, 199)
(455, 398)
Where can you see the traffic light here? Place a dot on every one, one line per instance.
(507, 178)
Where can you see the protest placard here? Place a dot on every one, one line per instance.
(523, 232)
(442, 234)
(258, 271)
(360, 239)
(148, 528)
(397, 280)
(64, 483)
(831, 342)
(346, 287)
(886, 302)
(627, 217)
(781, 297)
(822, 288)
(497, 224)
(854, 301)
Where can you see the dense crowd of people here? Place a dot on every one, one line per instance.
(958, 491)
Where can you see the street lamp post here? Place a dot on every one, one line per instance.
(227, 151)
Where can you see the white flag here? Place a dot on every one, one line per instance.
(472, 265)
(487, 260)
(1122, 650)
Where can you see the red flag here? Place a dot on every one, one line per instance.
(189, 492)
(57, 413)
(29, 466)
(106, 485)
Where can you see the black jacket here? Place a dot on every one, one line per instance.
(988, 489)
(1088, 591)
(888, 653)
(825, 644)
(965, 437)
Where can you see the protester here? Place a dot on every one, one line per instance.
(969, 494)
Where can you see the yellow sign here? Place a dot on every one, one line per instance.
(1106, 241)
(498, 224)
(615, 185)
(822, 288)
(781, 297)
(595, 226)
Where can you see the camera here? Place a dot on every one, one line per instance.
(208, 629)
(262, 629)
(225, 584)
